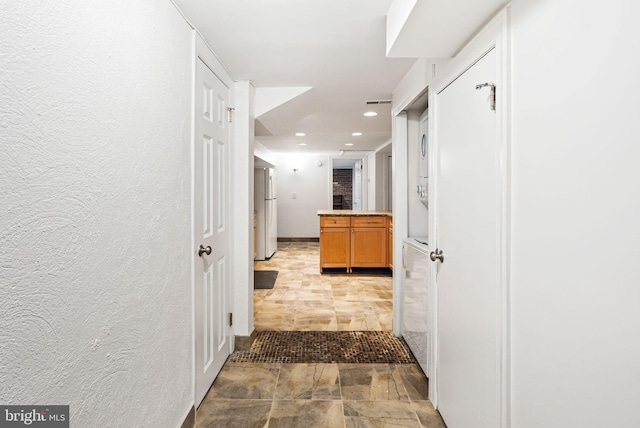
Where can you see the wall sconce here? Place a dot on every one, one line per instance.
(295, 169)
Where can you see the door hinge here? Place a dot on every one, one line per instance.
(493, 93)
(230, 114)
(230, 319)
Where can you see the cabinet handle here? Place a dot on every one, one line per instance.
(321, 230)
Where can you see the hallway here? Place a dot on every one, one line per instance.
(316, 393)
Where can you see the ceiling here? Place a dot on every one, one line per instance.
(335, 47)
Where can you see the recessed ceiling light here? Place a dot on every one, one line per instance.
(349, 144)
(371, 114)
(302, 144)
(300, 134)
(357, 134)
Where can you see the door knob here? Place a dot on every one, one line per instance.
(437, 255)
(202, 250)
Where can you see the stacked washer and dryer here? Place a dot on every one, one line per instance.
(416, 264)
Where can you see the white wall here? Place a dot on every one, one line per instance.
(379, 172)
(95, 295)
(576, 211)
(243, 206)
(297, 218)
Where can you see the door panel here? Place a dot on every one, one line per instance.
(369, 246)
(221, 181)
(207, 194)
(334, 247)
(211, 205)
(467, 218)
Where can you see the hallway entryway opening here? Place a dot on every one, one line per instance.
(324, 353)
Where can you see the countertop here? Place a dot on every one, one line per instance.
(353, 213)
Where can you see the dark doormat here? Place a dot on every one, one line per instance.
(363, 347)
(264, 279)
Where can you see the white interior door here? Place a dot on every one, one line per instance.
(468, 226)
(357, 185)
(211, 228)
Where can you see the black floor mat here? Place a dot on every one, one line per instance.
(326, 347)
(264, 279)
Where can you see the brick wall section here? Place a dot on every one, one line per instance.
(343, 185)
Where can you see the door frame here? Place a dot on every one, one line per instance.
(365, 174)
(202, 51)
(495, 35)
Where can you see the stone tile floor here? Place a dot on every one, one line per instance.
(317, 394)
(305, 300)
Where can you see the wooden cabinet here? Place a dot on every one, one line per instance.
(335, 221)
(335, 240)
(368, 221)
(369, 241)
(354, 241)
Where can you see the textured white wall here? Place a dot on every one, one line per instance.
(95, 289)
(297, 218)
(576, 211)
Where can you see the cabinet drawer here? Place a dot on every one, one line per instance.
(368, 221)
(334, 221)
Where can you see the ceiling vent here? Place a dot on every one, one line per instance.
(375, 102)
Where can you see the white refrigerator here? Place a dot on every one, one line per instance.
(265, 191)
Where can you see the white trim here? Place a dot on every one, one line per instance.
(365, 173)
(194, 62)
(504, 99)
(182, 15)
(400, 203)
(204, 52)
(493, 36)
(432, 307)
(186, 414)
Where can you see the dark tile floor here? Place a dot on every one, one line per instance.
(318, 395)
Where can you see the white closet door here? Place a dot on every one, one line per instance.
(211, 228)
(468, 209)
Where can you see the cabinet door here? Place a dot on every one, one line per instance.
(369, 247)
(334, 247)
